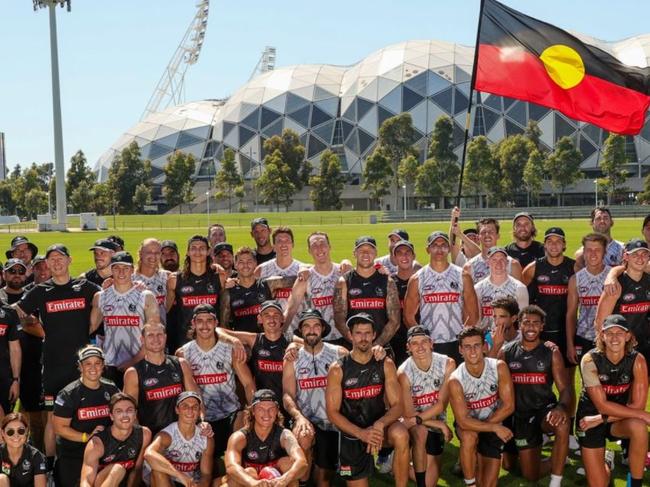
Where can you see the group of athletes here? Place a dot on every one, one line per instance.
(249, 368)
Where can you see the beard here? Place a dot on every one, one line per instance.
(170, 265)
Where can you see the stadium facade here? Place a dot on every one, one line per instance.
(342, 108)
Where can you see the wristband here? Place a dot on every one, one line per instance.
(84, 437)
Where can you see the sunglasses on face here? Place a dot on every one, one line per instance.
(16, 271)
(11, 431)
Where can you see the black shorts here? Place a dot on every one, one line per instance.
(559, 338)
(582, 346)
(450, 349)
(222, 429)
(5, 385)
(489, 445)
(528, 428)
(594, 437)
(67, 471)
(326, 448)
(354, 462)
(55, 380)
(435, 443)
(510, 446)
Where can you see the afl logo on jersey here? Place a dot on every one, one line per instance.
(583, 289)
(514, 365)
(264, 353)
(355, 291)
(417, 388)
(303, 370)
(543, 278)
(173, 453)
(351, 381)
(109, 458)
(107, 308)
(151, 382)
(187, 289)
(316, 290)
(628, 297)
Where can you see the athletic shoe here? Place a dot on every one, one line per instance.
(573, 443)
(581, 471)
(609, 459)
(385, 463)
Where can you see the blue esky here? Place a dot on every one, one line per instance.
(112, 53)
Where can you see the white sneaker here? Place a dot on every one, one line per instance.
(573, 443)
(580, 471)
(385, 464)
(609, 459)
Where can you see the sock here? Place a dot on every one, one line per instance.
(636, 482)
(556, 481)
(470, 481)
(420, 479)
(50, 463)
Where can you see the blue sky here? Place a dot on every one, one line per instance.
(113, 53)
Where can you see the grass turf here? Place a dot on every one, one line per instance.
(343, 228)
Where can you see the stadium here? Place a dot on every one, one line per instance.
(342, 107)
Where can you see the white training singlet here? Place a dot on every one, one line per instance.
(481, 393)
(479, 268)
(441, 302)
(185, 455)
(426, 384)
(213, 373)
(487, 291)
(282, 295)
(123, 321)
(320, 295)
(157, 284)
(311, 381)
(614, 253)
(589, 287)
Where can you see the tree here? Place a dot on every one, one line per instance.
(292, 154)
(127, 172)
(513, 153)
(78, 173)
(612, 164)
(534, 175)
(533, 133)
(35, 202)
(563, 166)
(178, 173)
(377, 175)
(7, 204)
(479, 168)
(396, 138)
(329, 184)
(228, 181)
(80, 198)
(275, 184)
(407, 172)
(141, 197)
(102, 199)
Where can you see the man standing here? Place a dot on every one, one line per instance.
(124, 308)
(358, 389)
(404, 257)
(261, 233)
(23, 249)
(14, 275)
(388, 261)
(364, 289)
(151, 275)
(216, 234)
(481, 395)
(524, 247)
(223, 255)
(488, 235)
(424, 382)
(534, 368)
(103, 250)
(602, 222)
(169, 256)
(444, 296)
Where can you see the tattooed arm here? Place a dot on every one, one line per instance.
(341, 308)
(393, 312)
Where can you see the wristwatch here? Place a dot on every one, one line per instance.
(418, 419)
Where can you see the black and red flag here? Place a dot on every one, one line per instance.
(527, 59)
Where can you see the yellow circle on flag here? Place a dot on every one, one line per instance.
(564, 65)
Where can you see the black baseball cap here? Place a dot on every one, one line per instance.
(203, 308)
(168, 244)
(198, 238)
(524, 214)
(117, 240)
(615, 320)
(122, 258)
(496, 250)
(271, 303)
(222, 246)
(554, 231)
(38, 259)
(467, 231)
(90, 351)
(635, 245)
(187, 395)
(398, 232)
(360, 318)
(262, 395)
(19, 240)
(312, 314)
(436, 235)
(365, 240)
(417, 331)
(60, 248)
(104, 244)
(403, 243)
(12, 263)
(259, 221)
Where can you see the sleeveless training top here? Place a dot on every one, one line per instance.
(481, 393)
(190, 292)
(549, 289)
(320, 295)
(479, 268)
(589, 288)
(634, 304)
(157, 284)
(245, 304)
(267, 359)
(368, 294)
(532, 376)
(487, 292)
(363, 391)
(426, 384)
(185, 455)
(262, 453)
(123, 452)
(441, 302)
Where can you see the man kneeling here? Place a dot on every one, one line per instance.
(263, 448)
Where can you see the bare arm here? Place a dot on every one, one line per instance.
(245, 377)
(561, 380)
(151, 308)
(136, 474)
(580, 259)
(461, 413)
(443, 397)
(131, 386)
(528, 274)
(606, 305)
(515, 269)
(232, 460)
(298, 294)
(470, 302)
(155, 458)
(95, 314)
(232, 337)
(506, 394)
(206, 464)
(333, 399)
(341, 308)
(393, 312)
(571, 319)
(299, 465)
(280, 282)
(188, 378)
(392, 394)
(171, 291)
(224, 309)
(289, 391)
(93, 452)
(412, 301)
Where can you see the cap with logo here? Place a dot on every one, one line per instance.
(271, 303)
(403, 243)
(365, 240)
(60, 248)
(122, 258)
(262, 395)
(635, 245)
(360, 318)
(168, 244)
(19, 240)
(554, 232)
(222, 246)
(496, 250)
(312, 314)
(417, 331)
(187, 395)
(398, 232)
(524, 214)
(204, 308)
(12, 263)
(615, 320)
(259, 221)
(433, 236)
(90, 351)
(117, 240)
(104, 244)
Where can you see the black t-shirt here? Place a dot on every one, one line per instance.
(525, 256)
(31, 464)
(363, 391)
(266, 362)
(532, 376)
(261, 258)
(549, 290)
(634, 304)
(87, 408)
(368, 295)
(245, 305)
(64, 311)
(9, 325)
(30, 372)
(93, 276)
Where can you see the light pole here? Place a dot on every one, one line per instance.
(61, 206)
(596, 186)
(404, 188)
(207, 195)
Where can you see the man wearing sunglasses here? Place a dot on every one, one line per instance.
(14, 275)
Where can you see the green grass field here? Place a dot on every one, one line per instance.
(343, 228)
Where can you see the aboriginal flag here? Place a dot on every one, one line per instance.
(525, 58)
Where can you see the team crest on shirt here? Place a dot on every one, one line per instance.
(379, 291)
(76, 288)
(132, 308)
(160, 288)
(175, 376)
(2, 313)
(107, 396)
(131, 452)
(625, 379)
(628, 297)
(603, 377)
(197, 455)
(264, 353)
(647, 294)
(540, 365)
(219, 365)
(26, 464)
(493, 387)
(355, 291)
(351, 381)
(543, 278)
(210, 287)
(151, 382)
(436, 382)
(187, 289)
(261, 297)
(375, 377)
(453, 285)
(514, 365)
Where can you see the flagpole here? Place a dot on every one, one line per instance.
(469, 106)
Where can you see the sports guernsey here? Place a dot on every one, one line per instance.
(525, 255)
(245, 303)
(260, 453)
(481, 393)
(261, 258)
(479, 268)
(123, 321)
(311, 381)
(368, 294)
(532, 376)
(157, 284)
(589, 287)
(213, 373)
(441, 302)
(30, 464)
(320, 295)
(398, 342)
(548, 290)
(614, 253)
(9, 326)
(363, 391)
(487, 292)
(190, 292)
(282, 294)
(124, 452)
(426, 384)
(266, 362)
(158, 387)
(634, 305)
(93, 276)
(385, 261)
(185, 454)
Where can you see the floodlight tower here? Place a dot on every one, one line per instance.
(61, 206)
(266, 62)
(170, 87)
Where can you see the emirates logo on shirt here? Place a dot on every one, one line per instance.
(550, 290)
(321, 301)
(92, 412)
(210, 379)
(485, 402)
(635, 308)
(589, 300)
(269, 366)
(435, 298)
(367, 392)
(368, 303)
(63, 305)
(122, 320)
(283, 293)
(163, 392)
(529, 378)
(185, 467)
(487, 310)
(426, 399)
(192, 301)
(313, 383)
(248, 311)
(614, 390)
